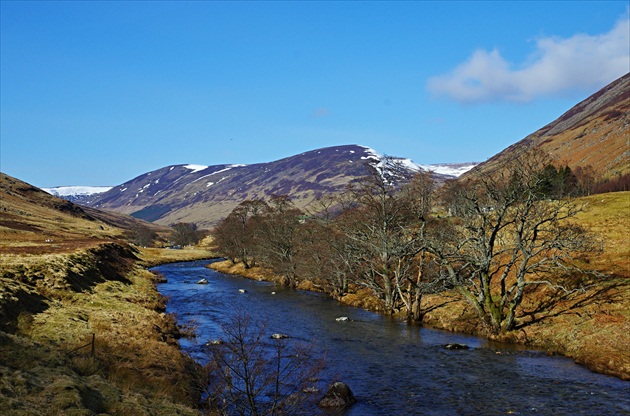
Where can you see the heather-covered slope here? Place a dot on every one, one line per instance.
(205, 195)
(595, 132)
(33, 221)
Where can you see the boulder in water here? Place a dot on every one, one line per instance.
(455, 346)
(338, 396)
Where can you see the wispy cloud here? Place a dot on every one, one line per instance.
(558, 66)
(321, 112)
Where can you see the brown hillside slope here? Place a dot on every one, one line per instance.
(64, 276)
(35, 222)
(595, 132)
(180, 193)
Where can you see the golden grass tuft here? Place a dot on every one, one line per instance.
(608, 216)
(154, 256)
(254, 273)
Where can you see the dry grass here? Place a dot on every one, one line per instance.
(254, 273)
(154, 256)
(138, 367)
(65, 275)
(608, 216)
(592, 327)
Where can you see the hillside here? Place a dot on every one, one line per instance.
(206, 194)
(34, 222)
(66, 276)
(595, 132)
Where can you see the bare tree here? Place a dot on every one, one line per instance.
(251, 373)
(586, 179)
(416, 274)
(185, 233)
(385, 232)
(237, 235)
(504, 238)
(143, 236)
(281, 234)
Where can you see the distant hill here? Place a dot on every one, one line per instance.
(77, 194)
(33, 221)
(206, 194)
(595, 132)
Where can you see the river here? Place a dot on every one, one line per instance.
(394, 368)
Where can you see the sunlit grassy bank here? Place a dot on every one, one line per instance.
(53, 304)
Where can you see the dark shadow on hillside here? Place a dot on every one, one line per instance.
(561, 303)
(113, 262)
(431, 308)
(18, 301)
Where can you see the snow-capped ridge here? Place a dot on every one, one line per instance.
(76, 190)
(450, 169)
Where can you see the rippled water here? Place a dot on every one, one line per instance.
(394, 368)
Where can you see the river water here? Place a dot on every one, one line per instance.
(391, 367)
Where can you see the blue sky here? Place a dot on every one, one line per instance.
(96, 93)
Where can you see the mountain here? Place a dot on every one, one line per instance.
(206, 194)
(34, 222)
(594, 132)
(77, 194)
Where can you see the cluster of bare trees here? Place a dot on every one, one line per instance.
(250, 373)
(182, 234)
(490, 238)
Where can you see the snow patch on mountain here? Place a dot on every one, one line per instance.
(62, 191)
(229, 167)
(452, 169)
(196, 168)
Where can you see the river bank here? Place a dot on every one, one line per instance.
(593, 329)
(85, 332)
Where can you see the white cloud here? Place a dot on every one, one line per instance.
(557, 67)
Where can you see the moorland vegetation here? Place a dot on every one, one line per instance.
(83, 327)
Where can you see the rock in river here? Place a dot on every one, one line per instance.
(456, 347)
(338, 396)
